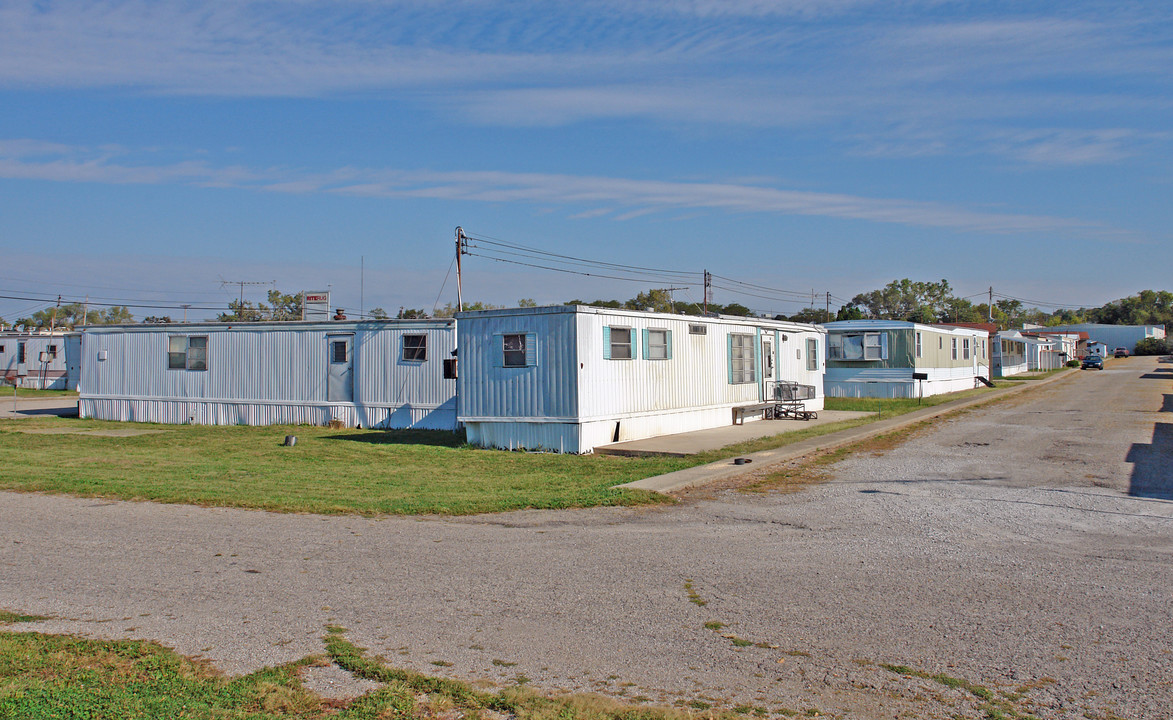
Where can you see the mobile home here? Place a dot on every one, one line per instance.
(900, 359)
(1010, 353)
(376, 374)
(45, 361)
(572, 378)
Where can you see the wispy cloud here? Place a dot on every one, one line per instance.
(585, 196)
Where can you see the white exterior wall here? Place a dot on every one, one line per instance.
(575, 398)
(60, 373)
(266, 374)
(1115, 336)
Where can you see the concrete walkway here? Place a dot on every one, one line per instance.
(724, 469)
(698, 441)
(22, 407)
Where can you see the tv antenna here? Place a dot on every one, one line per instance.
(242, 283)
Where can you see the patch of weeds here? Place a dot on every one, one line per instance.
(740, 642)
(714, 625)
(441, 663)
(7, 618)
(693, 597)
(742, 709)
(699, 705)
(994, 707)
(521, 679)
(787, 712)
(813, 712)
(796, 653)
(502, 663)
(475, 647)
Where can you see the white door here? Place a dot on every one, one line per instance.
(768, 370)
(340, 376)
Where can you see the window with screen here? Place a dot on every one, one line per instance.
(513, 346)
(741, 359)
(415, 348)
(187, 352)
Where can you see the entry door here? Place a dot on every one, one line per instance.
(340, 376)
(768, 370)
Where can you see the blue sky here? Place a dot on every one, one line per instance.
(150, 150)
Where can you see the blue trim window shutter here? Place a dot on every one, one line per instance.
(606, 342)
(644, 334)
(668, 339)
(498, 352)
(531, 349)
(729, 345)
(884, 346)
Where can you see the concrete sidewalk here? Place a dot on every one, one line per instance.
(723, 469)
(21, 407)
(698, 441)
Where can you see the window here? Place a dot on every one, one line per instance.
(514, 349)
(965, 348)
(741, 359)
(940, 343)
(953, 347)
(812, 354)
(698, 329)
(20, 352)
(415, 348)
(52, 351)
(919, 346)
(1, 348)
(856, 346)
(619, 343)
(189, 352)
(658, 345)
(337, 351)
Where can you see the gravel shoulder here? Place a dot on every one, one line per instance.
(1001, 547)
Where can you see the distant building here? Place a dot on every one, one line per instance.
(572, 378)
(377, 374)
(45, 361)
(1114, 336)
(1009, 354)
(883, 358)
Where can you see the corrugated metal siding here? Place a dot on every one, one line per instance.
(57, 372)
(546, 389)
(265, 375)
(551, 436)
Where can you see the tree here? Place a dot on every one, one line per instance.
(115, 315)
(410, 314)
(809, 315)
(449, 310)
(526, 303)
(735, 309)
(160, 319)
(284, 307)
(849, 312)
(69, 316)
(378, 313)
(1154, 346)
(243, 311)
(655, 300)
(906, 300)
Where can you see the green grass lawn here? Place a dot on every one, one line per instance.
(61, 676)
(366, 472)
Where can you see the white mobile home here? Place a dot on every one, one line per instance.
(900, 359)
(1010, 353)
(377, 374)
(45, 361)
(571, 378)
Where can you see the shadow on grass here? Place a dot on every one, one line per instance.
(438, 438)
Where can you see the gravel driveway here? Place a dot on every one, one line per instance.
(1001, 548)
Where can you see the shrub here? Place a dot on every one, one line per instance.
(1153, 346)
(1073, 363)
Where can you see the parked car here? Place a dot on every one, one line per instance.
(1093, 361)
(1120, 352)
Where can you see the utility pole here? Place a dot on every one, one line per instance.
(52, 327)
(461, 239)
(828, 306)
(708, 289)
(990, 307)
(85, 310)
(185, 307)
(362, 260)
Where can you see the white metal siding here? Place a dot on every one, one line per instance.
(268, 375)
(546, 389)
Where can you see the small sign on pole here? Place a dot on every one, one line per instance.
(315, 305)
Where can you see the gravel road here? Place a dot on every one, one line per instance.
(1026, 548)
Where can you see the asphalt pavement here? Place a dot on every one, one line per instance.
(1025, 547)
